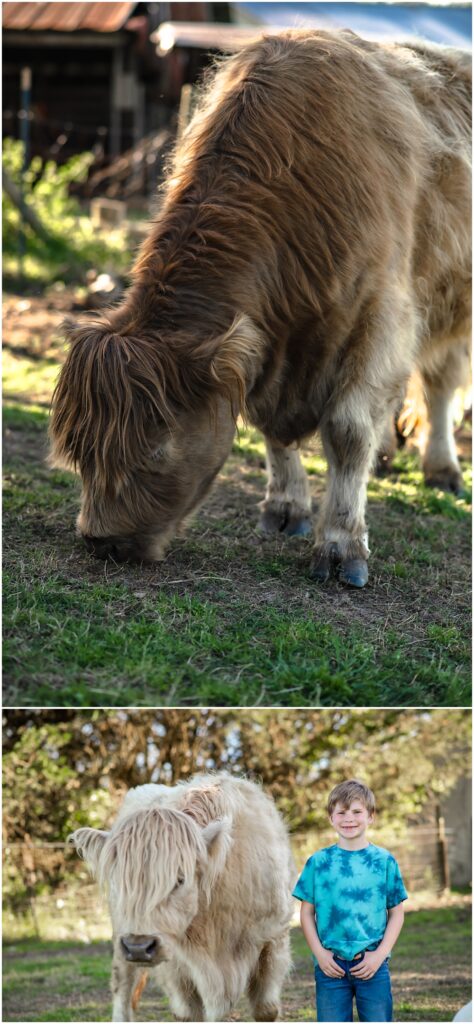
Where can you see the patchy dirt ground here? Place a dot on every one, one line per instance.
(228, 617)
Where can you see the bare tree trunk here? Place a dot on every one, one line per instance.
(14, 193)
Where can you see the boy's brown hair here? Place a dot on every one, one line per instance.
(345, 792)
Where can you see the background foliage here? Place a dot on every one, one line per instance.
(66, 768)
(72, 243)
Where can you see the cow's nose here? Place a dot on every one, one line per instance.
(139, 948)
(108, 547)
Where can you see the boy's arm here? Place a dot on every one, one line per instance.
(375, 957)
(324, 956)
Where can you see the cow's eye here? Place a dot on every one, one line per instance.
(157, 454)
(179, 882)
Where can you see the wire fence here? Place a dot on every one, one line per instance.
(49, 892)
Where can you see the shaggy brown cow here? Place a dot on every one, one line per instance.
(311, 250)
(199, 878)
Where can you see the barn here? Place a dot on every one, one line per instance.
(97, 80)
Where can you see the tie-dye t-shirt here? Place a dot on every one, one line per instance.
(351, 891)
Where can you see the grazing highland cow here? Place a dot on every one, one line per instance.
(199, 878)
(311, 250)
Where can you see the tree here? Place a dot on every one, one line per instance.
(54, 760)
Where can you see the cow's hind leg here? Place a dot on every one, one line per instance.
(287, 505)
(440, 462)
(265, 984)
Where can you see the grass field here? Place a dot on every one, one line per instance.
(228, 618)
(69, 982)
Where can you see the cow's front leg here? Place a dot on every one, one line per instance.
(265, 984)
(287, 505)
(183, 995)
(350, 443)
(216, 1000)
(128, 981)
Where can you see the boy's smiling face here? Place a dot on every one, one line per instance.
(351, 822)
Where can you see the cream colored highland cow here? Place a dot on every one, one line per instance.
(199, 879)
(311, 251)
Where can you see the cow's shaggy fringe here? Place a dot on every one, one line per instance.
(112, 387)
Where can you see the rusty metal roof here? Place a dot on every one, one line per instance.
(64, 17)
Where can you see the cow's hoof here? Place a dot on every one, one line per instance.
(267, 1011)
(383, 465)
(272, 521)
(269, 522)
(448, 479)
(354, 572)
(320, 569)
(298, 527)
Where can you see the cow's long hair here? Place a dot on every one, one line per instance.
(145, 859)
(246, 223)
(113, 387)
(262, 273)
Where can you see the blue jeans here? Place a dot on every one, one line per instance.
(334, 996)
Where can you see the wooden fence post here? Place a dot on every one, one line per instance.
(443, 850)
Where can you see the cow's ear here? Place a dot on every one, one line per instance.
(218, 840)
(89, 843)
(237, 358)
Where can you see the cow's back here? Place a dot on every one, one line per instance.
(442, 87)
(260, 861)
(322, 177)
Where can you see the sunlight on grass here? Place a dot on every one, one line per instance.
(28, 378)
(250, 443)
(22, 417)
(406, 490)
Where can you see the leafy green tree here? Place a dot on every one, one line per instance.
(65, 768)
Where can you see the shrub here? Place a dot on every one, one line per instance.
(73, 245)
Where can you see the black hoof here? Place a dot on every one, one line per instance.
(270, 522)
(451, 483)
(298, 527)
(279, 522)
(354, 572)
(383, 466)
(320, 569)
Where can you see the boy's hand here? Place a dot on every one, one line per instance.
(368, 966)
(329, 965)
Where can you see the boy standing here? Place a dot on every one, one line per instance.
(351, 912)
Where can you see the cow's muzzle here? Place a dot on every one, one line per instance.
(117, 549)
(142, 949)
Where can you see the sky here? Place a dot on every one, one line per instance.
(449, 24)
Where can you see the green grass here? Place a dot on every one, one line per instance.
(64, 981)
(170, 643)
(227, 618)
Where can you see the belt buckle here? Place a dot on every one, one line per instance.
(358, 956)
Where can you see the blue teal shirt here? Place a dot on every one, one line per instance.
(351, 891)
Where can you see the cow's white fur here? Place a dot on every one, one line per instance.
(206, 868)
